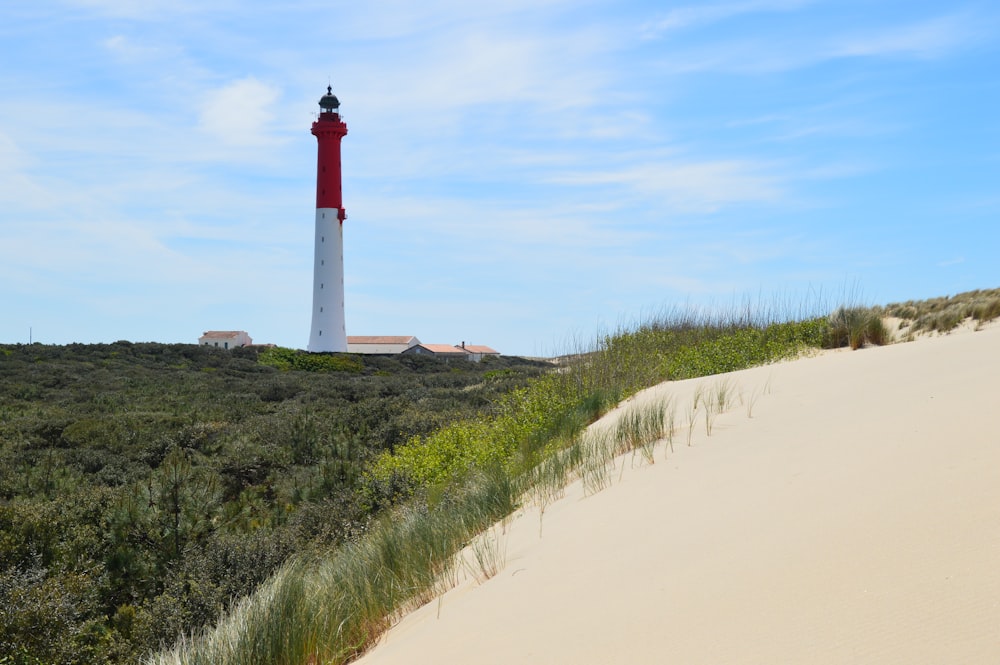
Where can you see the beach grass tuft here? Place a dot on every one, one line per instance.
(946, 313)
(857, 327)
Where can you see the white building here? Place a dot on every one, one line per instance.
(225, 339)
(478, 351)
(380, 344)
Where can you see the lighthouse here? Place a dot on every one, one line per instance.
(328, 330)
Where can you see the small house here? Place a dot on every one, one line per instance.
(225, 339)
(478, 351)
(438, 351)
(381, 344)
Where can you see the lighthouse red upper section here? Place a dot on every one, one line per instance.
(328, 130)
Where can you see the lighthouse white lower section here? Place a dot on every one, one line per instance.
(328, 330)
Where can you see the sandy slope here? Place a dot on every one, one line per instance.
(854, 518)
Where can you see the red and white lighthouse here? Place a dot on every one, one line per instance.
(329, 332)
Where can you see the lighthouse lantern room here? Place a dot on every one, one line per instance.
(328, 332)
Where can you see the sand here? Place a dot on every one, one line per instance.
(847, 512)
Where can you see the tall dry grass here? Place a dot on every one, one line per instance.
(946, 313)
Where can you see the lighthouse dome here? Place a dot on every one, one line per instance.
(329, 102)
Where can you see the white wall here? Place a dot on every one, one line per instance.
(328, 332)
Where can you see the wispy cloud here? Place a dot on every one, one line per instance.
(139, 9)
(780, 51)
(694, 186)
(240, 113)
(16, 188)
(128, 49)
(951, 262)
(928, 39)
(704, 14)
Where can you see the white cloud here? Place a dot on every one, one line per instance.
(694, 15)
(18, 190)
(486, 68)
(782, 52)
(951, 262)
(240, 112)
(396, 19)
(926, 39)
(701, 187)
(510, 227)
(137, 9)
(12, 158)
(128, 49)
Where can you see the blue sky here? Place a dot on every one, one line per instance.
(521, 174)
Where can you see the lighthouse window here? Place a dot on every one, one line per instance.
(321, 286)
(320, 333)
(321, 309)
(322, 238)
(322, 262)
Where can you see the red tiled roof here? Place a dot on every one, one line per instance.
(443, 348)
(222, 334)
(479, 348)
(380, 339)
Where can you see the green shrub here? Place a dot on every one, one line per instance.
(47, 618)
(553, 410)
(291, 359)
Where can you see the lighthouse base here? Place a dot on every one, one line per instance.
(328, 332)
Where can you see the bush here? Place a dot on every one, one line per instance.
(47, 618)
(289, 359)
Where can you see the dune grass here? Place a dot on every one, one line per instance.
(946, 313)
(857, 327)
(328, 607)
(639, 428)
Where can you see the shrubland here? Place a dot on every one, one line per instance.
(146, 487)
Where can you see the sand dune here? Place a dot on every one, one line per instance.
(854, 518)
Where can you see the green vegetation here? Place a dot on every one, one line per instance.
(281, 507)
(946, 313)
(553, 410)
(146, 487)
(450, 484)
(289, 359)
(328, 609)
